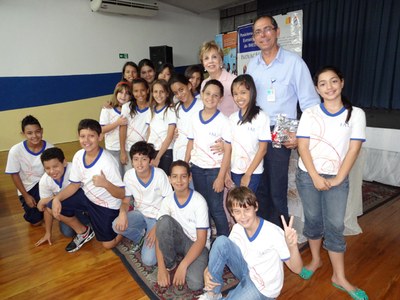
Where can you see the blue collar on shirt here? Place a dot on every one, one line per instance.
(94, 162)
(210, 119)
(150, 180)
(252, 238)
(186, 202)
(61, 180)
(25, 143)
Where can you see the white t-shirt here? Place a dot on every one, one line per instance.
(330, 136)
(159, 125)
(147, 196)
(184, 119)
(26, 163)
(137, 127)
(111, 138)
(246, 140)
(192, 215)
(49, 187)
(204, 134)
(82, 173)
(263, 253)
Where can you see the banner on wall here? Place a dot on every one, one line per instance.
(291, 38)
(228, 43)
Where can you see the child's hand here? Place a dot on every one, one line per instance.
(45, 238)
(292, 142)
(218, 184)
(123, 158)
(290, 232)
(56, 208)
(229, 182)
(100, 180)
(121, 224)
(107, 104)
(180, 275)
(122, 121)
(155, 162)
(334, 181)
(245, 180)
(218, 147)
(209, 284)
(151, 238)
(30, 201)
(41, 205)
(321, 183)
(163, 278)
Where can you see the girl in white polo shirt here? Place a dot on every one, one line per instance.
(161, 120)
(111, 119)
(250, 135)
(329, 136)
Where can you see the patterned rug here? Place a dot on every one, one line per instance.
(146, 277)
(376, 194)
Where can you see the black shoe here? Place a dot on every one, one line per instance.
(79, 240)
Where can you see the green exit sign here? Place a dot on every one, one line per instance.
(123, 55)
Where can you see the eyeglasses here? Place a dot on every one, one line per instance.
(265, 30)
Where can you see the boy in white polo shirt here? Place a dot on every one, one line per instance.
(182, 228)
(149, 186)
(55, 179)
(97, 172)
(26, 169)
(254, 252)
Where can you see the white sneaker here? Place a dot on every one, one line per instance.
(210, 296)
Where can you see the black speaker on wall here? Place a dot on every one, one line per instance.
(160, 55)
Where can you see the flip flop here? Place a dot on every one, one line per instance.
(356, 294)
(306, 274)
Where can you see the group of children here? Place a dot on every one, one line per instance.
(159, 136)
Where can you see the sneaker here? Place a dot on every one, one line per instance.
(172, 267)
(79, 240)
(136, 247)
(210, 296)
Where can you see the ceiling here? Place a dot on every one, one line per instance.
(201, 6)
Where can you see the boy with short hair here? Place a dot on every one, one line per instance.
(55, 179)
(182, 228)
(97, 172)
(26, 169)
(149, 186)
(254, 252)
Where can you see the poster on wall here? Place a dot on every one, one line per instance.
(228, 42)
(291, 38)
(229, 47)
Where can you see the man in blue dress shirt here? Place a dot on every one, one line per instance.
(282, 80)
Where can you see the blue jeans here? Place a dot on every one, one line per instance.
(272, 191)
(203, 180)
(172, 241)
(223, 253)
(138, 224)
(254, 180)
(324, 211)
(166, 161)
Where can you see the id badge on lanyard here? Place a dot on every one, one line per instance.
(271, 91)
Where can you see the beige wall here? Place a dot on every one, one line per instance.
(59, 121)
